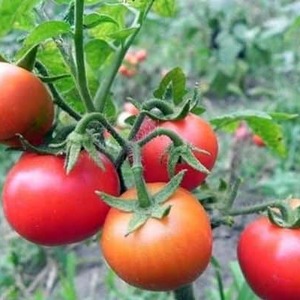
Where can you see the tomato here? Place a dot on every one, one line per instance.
(130, 108)
(46, 206)
(127, 72)
(195, 131)
(25, 106)
(141, 55)
(258, 141)
(269, 257)
(163, 254)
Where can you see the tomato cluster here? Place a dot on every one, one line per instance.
(49, 206)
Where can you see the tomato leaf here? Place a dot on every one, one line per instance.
(97, 52)
(172, 86)
(94, 19)
(72, 154)
(43, 32)
(261, 123)
(160, 212)
(164, 8)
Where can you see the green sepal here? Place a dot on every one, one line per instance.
(50, 79)
(89, 145)
(72, 153)
(161, 212)
(136, 222)
(287, 217)
(169, 189)
(27, 61)
(117, 202)
(26, 146)
(185, 153)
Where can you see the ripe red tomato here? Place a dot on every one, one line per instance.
(46, 206)
(258, 141)
(163, 254)
(269, 257)
(141, 55)
(25, 106)
(193, 130)
(127, 71)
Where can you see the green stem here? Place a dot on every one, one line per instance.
(143, 196)
(105, 86)
(96, 116)
(185, 293)
(164, 107)
(81, 81)
(58, 99)
(161, 131)
(252, 209)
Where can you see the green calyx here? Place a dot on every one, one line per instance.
(140, 214)
(285, 216)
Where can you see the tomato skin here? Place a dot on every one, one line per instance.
(269, 257)
(258, 141)
(162, 254)
(46, 206)
(25, 105)
(193, 130)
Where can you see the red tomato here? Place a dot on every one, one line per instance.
(163, 254)
(127, 72)
(258, 141)
(269, 257)
(130, 108)
(197, 133)
(131, 58)
(25, 106)
(46, 206)
(141, 55)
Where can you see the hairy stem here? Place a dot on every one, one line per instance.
(81, 80)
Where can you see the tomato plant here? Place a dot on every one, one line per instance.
(46, 206)
(163, 254)
(270, 259)
(25, 105)
(195, 131)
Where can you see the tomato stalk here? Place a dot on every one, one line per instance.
(57, 98)
(177, 141)
(137, 169)
(81, 80)
(185, 293)
(105, 86)
(97, 116)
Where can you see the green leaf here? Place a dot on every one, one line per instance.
(16, 14)
(227, 119)
(45, 31)
(123, 34)
(270, 132)
(90, 147)
(164, 8)
(169, 189)
(174, 83)
(117, 202)
(97, 52)
(261, 123)
(160, 212)
(94, 19)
